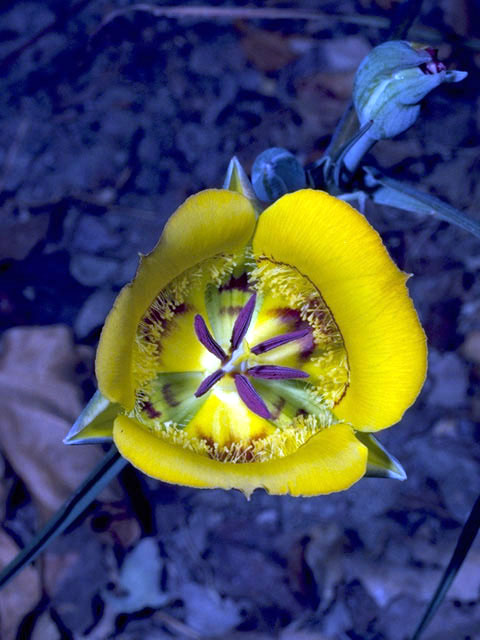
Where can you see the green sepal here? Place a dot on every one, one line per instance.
(381, 464)
(237, 180)
(95, 423)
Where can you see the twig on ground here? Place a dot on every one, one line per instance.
(420, 33)
(176, 625)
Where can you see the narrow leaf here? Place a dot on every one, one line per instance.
(86, 493)
(465, 541)
(385, 190)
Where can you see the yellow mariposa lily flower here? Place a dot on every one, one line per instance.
(254, 352)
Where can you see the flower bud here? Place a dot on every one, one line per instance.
(390, 83)
(276, 172)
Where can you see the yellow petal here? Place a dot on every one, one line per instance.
(209, 223)
(329, 242)
(181, 349)
(330, 461)
(224, 418)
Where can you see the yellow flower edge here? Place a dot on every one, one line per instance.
(334, 246)
(330, 461)
(206, 224)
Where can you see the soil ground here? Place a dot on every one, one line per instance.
(107, 124)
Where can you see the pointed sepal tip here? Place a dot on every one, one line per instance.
(381, 463)
(95, 423)
(238, 180)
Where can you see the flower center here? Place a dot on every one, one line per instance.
(236, 363)
(239, 360)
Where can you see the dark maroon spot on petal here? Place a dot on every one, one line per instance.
(169, 395)
(240, 283)
(182, 308)
(209, 381)
(250, 396)
(290, 317)
(150, 410)
(273, 372)
(205, 337)
(307, 347)
(154, 316)
(230, 311)
(243, 322)
(278, 406)
(278, 341)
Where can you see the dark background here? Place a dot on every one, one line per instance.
(106, 125)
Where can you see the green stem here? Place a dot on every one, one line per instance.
(104, 472)
(353, 152)
(405, 15)
(345, 130)
(465, 541)
(348, 145)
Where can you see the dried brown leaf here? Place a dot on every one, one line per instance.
(324, 555)
(19, 236)
(19, 597)
(266, 50)
(40, 399)
(45, 629)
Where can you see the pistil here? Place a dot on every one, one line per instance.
(235, 363)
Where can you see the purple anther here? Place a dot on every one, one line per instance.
(209, 381)
(243, 322)
(250, 397)
(206, 338)
(278, 341)
(273, 372)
